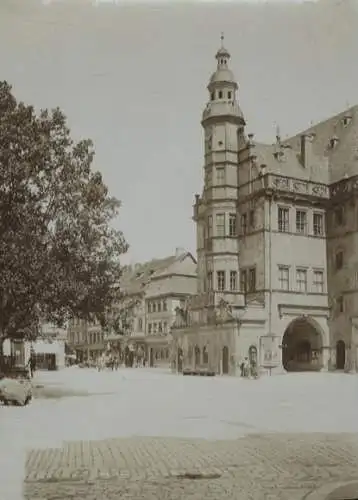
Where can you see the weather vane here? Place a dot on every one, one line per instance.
(222, 39)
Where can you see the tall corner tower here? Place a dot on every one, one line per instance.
(215, 212)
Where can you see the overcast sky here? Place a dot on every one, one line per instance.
(134, 80)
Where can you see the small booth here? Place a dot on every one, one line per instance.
(50, 355)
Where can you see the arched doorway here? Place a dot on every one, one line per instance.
(302, 346)
(180, 360)
(197, 355)
(253, 355)
(225, 360)
(340, 355)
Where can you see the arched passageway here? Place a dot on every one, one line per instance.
(302, 346)
(340, 355)
(225, 360)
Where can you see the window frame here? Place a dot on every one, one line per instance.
(301, 225)
(304, 272)
(283, 225)
(220, 217)
(232, 224)
(281, 268)
(220, 280)
(233, 281)
(314, 225)
(315, 283)
(220, 176)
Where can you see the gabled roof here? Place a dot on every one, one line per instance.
(134, 278)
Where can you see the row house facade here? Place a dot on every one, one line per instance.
(142, 319)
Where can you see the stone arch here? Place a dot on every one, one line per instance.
(340, 355)
(197, 356)
(302, 345)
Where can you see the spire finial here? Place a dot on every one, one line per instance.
(222, 39)
(278, 132)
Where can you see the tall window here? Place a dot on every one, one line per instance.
(301, 221)
(301, 280)
(165, 307)
(149, 328)
(209, 175)
(243, 223)
(232, 225)
(140, 324)
(165, 327)
(154, 307)
(252, 219)
(252, 279)
(339, 260)
(159, 307)
(283, 219)
(318, 281)
(210, 280)
(220, 225)
(318, 224)
(233, 281)
(220, 175)
(210, 226)
(220, 276)
(243, 280)
(284, 277)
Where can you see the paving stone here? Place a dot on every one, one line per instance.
(258, 467)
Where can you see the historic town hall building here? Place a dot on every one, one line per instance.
(277, 244)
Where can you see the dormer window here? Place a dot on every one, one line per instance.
(212, 96)
(220, 94)
(229, 94)
(346, 120)
(333, 142)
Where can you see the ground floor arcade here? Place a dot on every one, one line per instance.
(303, 345)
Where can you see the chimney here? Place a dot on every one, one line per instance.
(306, 149)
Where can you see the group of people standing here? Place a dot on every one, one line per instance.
(248, 368)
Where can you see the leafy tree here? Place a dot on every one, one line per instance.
(59, 252)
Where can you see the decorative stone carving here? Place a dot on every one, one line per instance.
(223, 312)
(319, 190)
(281, 182)
(300, 186)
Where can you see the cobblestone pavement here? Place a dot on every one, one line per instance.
(267, 467)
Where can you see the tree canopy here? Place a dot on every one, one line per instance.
(59, 251)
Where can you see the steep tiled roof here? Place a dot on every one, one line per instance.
(290, 165)
(327, 164)
(341, 160)
(135, 277)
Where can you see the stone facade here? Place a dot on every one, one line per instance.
(277, 240)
